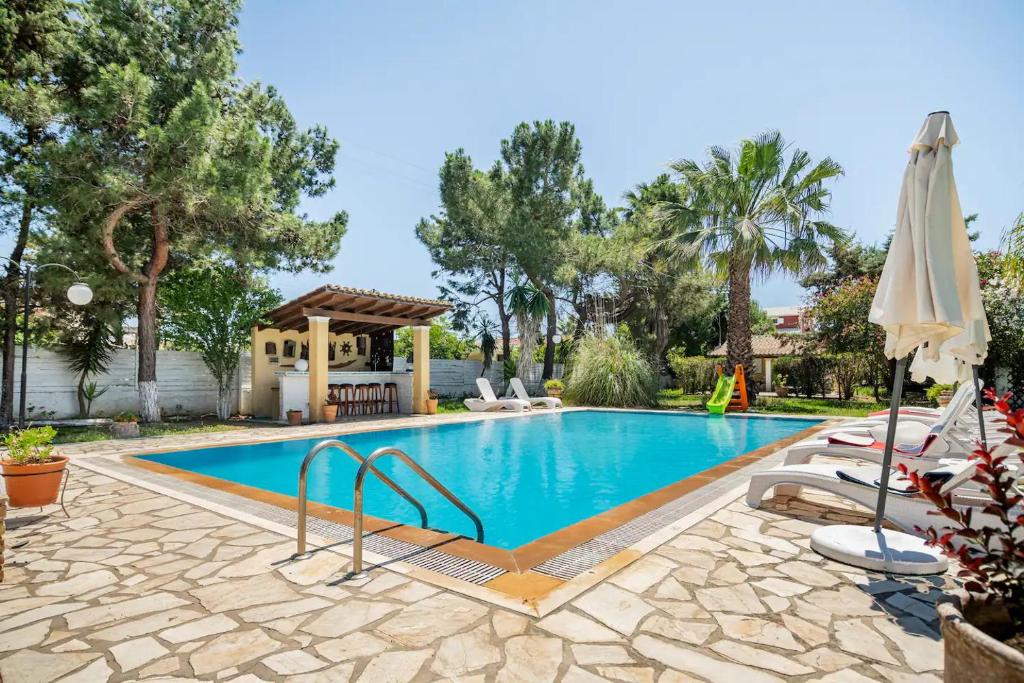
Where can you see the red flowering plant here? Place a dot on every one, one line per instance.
(991, 553)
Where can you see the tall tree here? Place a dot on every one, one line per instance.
(530, 306)
(752, 213)
(212, 310)
(465, 241)
(545, 182)
(35, 36)
(171, 155)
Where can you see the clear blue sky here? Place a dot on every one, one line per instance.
(645, 82)
(399, 83)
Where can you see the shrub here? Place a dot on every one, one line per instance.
(807, 374)
(611, 371)
(847, 370)
(554, 384)
(934, 391)
(30, 446)
(991, 555)
(694, 374)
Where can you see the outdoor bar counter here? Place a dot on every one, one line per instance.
(294, 389)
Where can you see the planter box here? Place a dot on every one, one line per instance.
(125, 430)
(971, 655)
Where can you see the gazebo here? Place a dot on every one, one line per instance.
(346, 335)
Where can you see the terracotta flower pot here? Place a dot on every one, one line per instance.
(330, 412)
(971, 654)
(295, 418)
(33, 485)
(554, 392)
(431, 406)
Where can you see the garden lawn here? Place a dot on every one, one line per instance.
(674, 399)
(81, 434)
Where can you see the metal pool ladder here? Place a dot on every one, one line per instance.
(366, 465)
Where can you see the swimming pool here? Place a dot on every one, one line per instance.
(526, 477)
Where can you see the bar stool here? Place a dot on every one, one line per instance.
(390, 397)
(375, 397)
(347, 398)
(332, 393)
(361, 402)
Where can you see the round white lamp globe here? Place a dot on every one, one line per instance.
(557, 339)
(79, 294)
(301, 365)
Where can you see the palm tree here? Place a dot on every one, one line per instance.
(751, 213)
(530, 306)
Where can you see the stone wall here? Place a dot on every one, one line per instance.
(457, 378)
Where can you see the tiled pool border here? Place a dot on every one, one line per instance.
(569, 567)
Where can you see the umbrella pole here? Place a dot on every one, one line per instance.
(890, 438)
(981, 415)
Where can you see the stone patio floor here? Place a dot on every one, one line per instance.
(140, 586)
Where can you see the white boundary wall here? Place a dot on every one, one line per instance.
(186, 386)
(457, 378)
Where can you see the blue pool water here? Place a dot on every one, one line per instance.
(525, 477)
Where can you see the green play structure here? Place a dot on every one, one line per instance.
(723, 399)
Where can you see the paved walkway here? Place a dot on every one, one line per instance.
(137, 585)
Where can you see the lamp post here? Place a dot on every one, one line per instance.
(79, 294)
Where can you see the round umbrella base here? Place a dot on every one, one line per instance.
(892, 552)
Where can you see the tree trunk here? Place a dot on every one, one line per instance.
(149, 399)
(10, 295)
(505, 318)
(549, 338)
(740, 349)
(83, 406)
(223, 401)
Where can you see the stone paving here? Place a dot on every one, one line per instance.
(140, 586)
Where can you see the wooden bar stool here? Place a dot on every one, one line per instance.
(375, 397)
(347, 397)
(390, 397)
(361, 402)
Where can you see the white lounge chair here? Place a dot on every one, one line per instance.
(537, 401)
(489, 402)
(960, 409)
(904, 507)
(942, 440)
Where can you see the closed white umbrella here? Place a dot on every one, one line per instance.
(929, 299)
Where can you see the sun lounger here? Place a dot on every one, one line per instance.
(904, 506)
(537, 401)
(488, 401)
(918, 452)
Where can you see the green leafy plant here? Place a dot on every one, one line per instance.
(508, 369)
(126, 417)
(30, 446)
(694, 374)
(432, 394)
(89, 393)
(936, 390)
(611, 371)
(554, 384)
(88, 350)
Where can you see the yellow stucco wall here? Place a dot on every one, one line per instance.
(264, 382)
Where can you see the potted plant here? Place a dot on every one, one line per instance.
(781, 390)
(330, 411)
(294, 417)
(432, 402)
(32, 471)
(125, 425)
(940, 394)
(554, 387)
(983, 628)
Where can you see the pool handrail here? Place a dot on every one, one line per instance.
(357, 507)
(354, 454)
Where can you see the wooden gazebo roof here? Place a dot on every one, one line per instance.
(356, 311)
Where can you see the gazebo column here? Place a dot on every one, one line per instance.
(768, 374)
(420, 368)
(317, 366)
